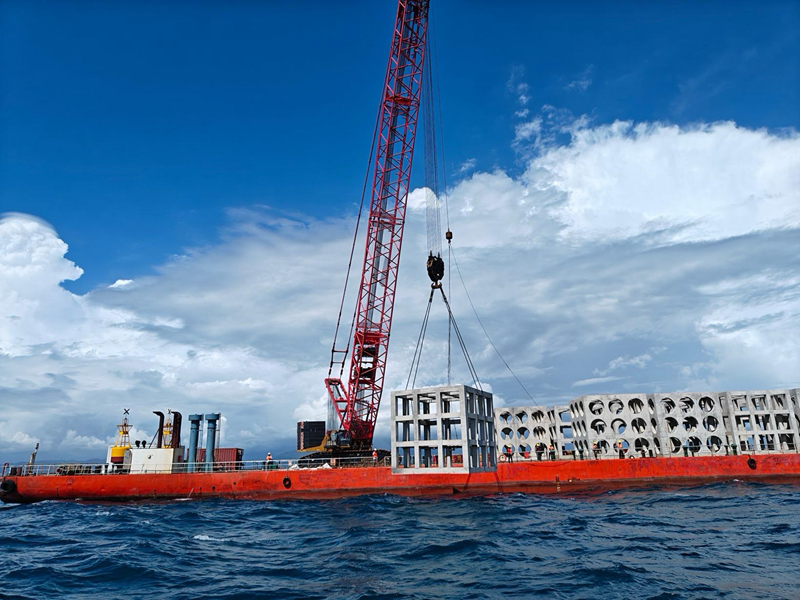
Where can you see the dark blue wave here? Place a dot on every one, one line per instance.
(729, 540)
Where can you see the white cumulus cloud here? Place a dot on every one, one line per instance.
(702, 182)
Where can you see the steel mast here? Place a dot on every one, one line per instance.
(356, 406)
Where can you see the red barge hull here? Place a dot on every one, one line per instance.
(560, 476)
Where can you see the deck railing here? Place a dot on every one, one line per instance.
(20, 470)
(182, 467)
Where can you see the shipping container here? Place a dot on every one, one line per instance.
(223, 455)
(310, 434)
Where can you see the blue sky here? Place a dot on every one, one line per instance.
(132, 127)
(624, 184)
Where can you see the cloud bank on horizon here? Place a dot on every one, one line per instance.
(632, 257)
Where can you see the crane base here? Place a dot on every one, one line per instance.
(318, 458)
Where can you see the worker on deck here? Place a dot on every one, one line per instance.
(269, 460)
(375, 457)
(509, 454)
(620, 449)
(552, 452)
(595, 449)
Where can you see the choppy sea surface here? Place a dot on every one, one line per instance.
(731, 540)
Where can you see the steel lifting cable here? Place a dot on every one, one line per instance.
(417, 358)
(420, 341)
(432, 211)
(435, 70)
(486, 333)
(433, 216)
(473, 373)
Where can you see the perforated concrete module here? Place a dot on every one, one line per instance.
(559, 429)
(661, 424)
(795, 395)
(445, 429)
(763, 421)
(607, 419)
(519, 429)
(522, 428)
(677, 423)
(691, 420)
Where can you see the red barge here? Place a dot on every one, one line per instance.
(444, 442)
(277, 482)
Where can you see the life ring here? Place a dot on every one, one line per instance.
(8, 486)
(287, 483)
(751, 462)
(502, 458)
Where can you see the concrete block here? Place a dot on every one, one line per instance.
(444, 429)
(524, 428)
(664, 424)
(763, 421)
(601, 421)
(691, 422)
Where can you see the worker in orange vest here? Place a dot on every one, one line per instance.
(375, 456)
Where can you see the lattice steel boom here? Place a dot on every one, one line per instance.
(356, 407)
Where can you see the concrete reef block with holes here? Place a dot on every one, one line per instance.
(657, 424)
(444, 429)
(520, 429)
(602, 421)
(692, 420)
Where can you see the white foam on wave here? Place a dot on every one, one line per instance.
(104, 513)
(207, 538)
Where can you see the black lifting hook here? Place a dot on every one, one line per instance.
(435, 266)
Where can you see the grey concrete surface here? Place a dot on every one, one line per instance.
(654, 424)
(445, 429)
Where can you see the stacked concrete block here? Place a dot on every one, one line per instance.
(602, 421)
(512, 431)
(560, 429)
(795, 394)
(690, 423)
(539, 428)
(762, 421)
(520, 429)
(660, 424)
(445, 429)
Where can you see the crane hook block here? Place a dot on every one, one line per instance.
(435, 266)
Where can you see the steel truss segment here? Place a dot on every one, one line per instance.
(399, 113)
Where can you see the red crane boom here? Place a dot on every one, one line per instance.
(356, 407)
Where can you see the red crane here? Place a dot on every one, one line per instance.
(355, 407)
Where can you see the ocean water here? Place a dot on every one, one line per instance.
(730, 540)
